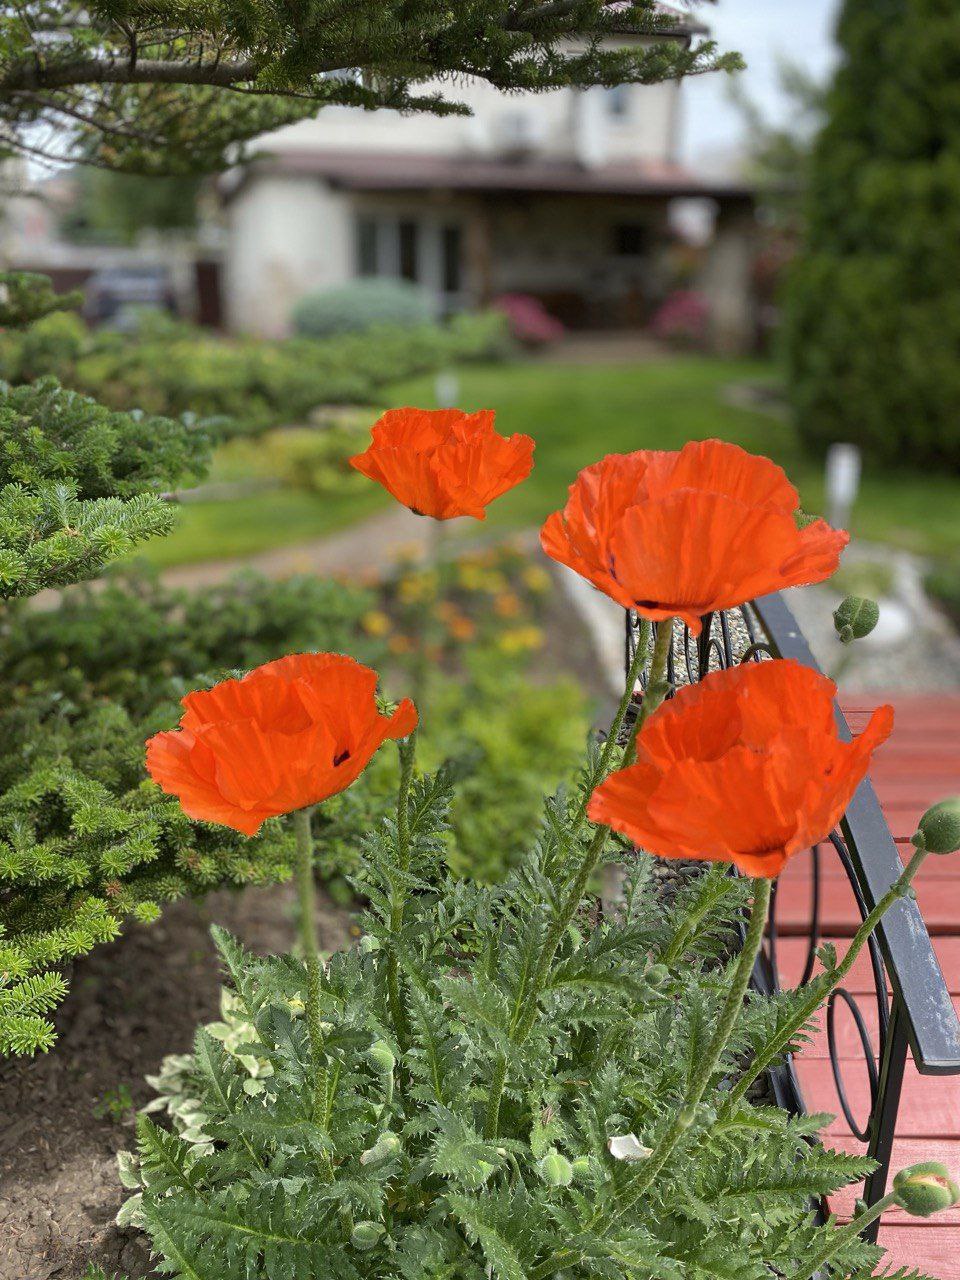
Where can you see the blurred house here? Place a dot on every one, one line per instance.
(566, 196)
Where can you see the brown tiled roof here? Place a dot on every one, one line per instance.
(399, 171)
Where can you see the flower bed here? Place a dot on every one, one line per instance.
(496, 1079)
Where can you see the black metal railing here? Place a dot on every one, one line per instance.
(915, 1013)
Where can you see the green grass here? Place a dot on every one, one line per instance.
(576, 414)
(259, 522)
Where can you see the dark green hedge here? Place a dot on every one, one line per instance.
(873, 303)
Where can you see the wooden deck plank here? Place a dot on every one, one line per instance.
(929, 1110)
(918, 765)
(926, 1246)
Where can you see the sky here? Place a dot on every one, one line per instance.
(764, 32)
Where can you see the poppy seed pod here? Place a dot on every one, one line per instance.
(939, 828)
(925, 1189)
(556, 1170)
(855, 618)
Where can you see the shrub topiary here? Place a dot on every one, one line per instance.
(361, 305)
(873, 304)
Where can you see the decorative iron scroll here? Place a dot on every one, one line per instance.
(914, 1009)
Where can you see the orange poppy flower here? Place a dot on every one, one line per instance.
(443, 462)
(744, 767)
(289, 734)
(683, 534)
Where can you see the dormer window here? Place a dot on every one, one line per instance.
(617, 98)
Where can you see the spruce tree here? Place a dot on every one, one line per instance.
(873, 305)
(167, 86)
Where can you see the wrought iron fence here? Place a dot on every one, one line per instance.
(915, 1013)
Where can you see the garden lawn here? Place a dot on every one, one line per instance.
(239, 527)
(577, 414)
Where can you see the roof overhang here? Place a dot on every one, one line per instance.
(412, 172)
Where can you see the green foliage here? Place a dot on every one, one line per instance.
(356, 1173)
(360, 305)
(942, 582)
(316, 459)
(86, 842)
(78, 484)
(115, 207)
(49, 435)
(173, 87)
(26, 297)
(238, 385)
(506, 740)
(873, 307)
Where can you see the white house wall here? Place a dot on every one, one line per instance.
(286, 237)
(562, 125)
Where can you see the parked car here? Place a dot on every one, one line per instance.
(114, 295)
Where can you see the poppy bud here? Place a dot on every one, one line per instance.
(366, 1235)
(555, 1169)
(939, 829)
(582, 1167)
(385, 1148)
(925, 1189)
(381, 1058)
(657, 975)
(855, 618)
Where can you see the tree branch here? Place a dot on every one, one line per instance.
(29, 75)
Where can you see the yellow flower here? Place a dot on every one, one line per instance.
(376, 623)
(536, 579)
(416, 587)
(461, 628)
(507, 605)
(520, 639)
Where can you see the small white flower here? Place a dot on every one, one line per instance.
(626, 1146)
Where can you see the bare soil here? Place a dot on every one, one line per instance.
(62, 1118)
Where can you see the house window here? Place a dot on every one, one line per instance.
(630, 240)
(450, 252)
(618, 101)
(408, 241)
(367, 260)
(425, 251)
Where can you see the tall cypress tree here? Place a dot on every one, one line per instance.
(873, 304)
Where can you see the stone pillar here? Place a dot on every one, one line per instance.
(727, 281)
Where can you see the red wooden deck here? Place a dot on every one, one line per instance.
(918, 765)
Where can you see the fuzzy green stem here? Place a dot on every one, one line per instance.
(311, 950)
(525, 1012)
(779, 1042)
(657, 686)
(407, 753)
(843, 1235)
(606, 754)
(729, 1016)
